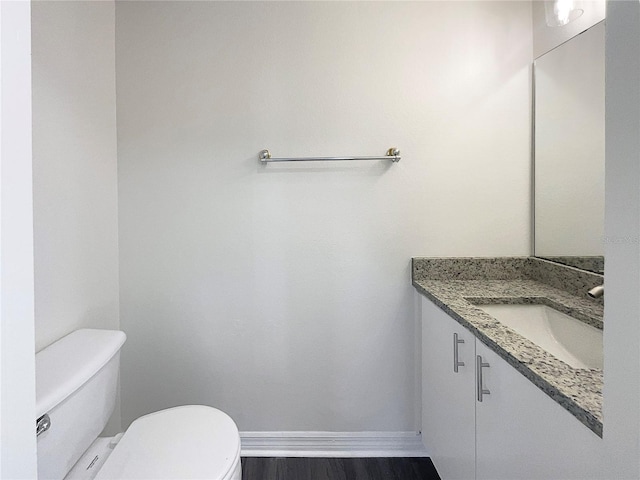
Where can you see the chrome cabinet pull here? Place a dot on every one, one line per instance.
(479, 366)
(456, 341)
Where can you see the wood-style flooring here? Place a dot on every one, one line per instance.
(272, 468)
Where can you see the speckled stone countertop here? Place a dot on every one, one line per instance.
(456, 284)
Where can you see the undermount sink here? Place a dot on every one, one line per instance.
(570, 340)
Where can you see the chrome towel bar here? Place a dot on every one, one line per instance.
(392, 154)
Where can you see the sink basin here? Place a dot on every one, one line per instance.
(568, 339)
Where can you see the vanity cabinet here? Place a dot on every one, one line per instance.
(515, 432)
(448, 402)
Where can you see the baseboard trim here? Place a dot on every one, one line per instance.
(332, 444)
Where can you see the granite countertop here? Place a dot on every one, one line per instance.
(455, 285)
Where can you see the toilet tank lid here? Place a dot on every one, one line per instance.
(66, 365)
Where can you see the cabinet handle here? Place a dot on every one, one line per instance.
(479, 366)
(456, 342)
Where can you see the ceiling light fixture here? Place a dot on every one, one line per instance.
(561, 12)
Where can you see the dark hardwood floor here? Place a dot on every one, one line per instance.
(276, 468)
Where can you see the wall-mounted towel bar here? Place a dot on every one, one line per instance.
(392, 154)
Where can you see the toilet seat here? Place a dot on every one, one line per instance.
(187, 442)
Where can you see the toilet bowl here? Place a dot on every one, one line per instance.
(76, 383)
(192, 441)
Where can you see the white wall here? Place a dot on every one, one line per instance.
(74, 168)
(546, 38)
(570, 147)
(622, 248)
(282, 293)
(17, 372)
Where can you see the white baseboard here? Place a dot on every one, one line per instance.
(332, 444)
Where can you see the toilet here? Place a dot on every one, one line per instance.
(76, 384)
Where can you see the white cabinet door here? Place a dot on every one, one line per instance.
(448, 412)
(521, 433)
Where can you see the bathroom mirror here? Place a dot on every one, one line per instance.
(569, 152)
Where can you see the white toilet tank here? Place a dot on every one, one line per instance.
(76, 384)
